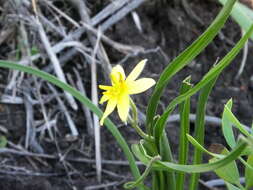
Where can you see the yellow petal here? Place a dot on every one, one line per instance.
(103, 99)
(117, 74)
(109, 109)
(137, 70)
(104, 87)
(123, 107)
(141, 85)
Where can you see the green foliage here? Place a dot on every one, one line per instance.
(231, 187)
(185, 58)
(142, 155)
(154, 149)
(228, 172)
(249, 173)
(227, 126)
(242, 15)
(83, 99)
(228, 122)
(200, 128)
(184, 110)
(200, 147)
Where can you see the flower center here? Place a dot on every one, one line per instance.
(119, 89)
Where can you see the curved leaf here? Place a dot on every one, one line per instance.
(242, 15)
(211, 75)
(199, 168)
(186, 57)
(229, 172)
(227, 129)
(249, 173)
(111, 127)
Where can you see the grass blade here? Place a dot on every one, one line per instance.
(184, 58)
(211, 75)
(199, 168)
(184, 109)
(111, 127)
(242, 15)
(200, 128)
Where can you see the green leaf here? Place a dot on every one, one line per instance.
(199, 128)
(235, 121)
(3, 141)
(83, 99)
(228, 121)
(227, 126)
(248, 151)
(249, 173)
(200, 147)
(241, 14)
(229, 172)
(185, 58)
(133, 184)
(166, 155)
(199, 168)
(184, 110)
(211, 75)
(231, 187)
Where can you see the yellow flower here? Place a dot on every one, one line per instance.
(122, 87)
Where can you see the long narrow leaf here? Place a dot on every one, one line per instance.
(242, 15)
(166, 154)
(211, 75)
(184, 109)
(186, 57)
(200, 147)
(229, 172)
(111, 127)
(200, 128)
(227, 129)
(249, 173)
(199, 168)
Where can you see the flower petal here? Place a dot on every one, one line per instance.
(117, 74)
(123, 107)
(104, 87)
(137, 70)
(109, 109)
(104, 98)
(141, 85)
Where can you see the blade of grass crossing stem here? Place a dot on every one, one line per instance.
(212, 74)
(166, 155)
(199, 168)
(184, 110)
(200, 129)
(184, 58)
(108, 123)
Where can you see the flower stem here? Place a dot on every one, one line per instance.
(134, 123)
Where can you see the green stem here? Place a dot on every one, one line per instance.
(166, 154)
(133, 184)
(134, 123)
(154, 181)
(83, 99)
(184, 129)
(200, 129)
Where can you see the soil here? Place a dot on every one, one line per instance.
(167, 25)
